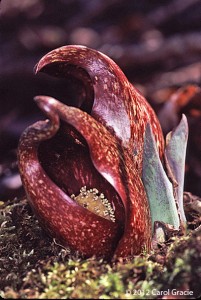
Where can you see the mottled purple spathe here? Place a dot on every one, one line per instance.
(99, 145)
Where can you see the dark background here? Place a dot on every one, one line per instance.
(156, 43)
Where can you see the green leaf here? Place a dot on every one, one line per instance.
(175, 154)
(158, 188)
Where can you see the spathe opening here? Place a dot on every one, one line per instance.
(77, 81)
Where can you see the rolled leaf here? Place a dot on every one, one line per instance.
(175, 153)
(157, 185)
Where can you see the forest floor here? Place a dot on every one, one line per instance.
(33, 265)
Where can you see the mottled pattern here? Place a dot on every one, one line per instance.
(98, 145)
(115, 102)
(65, 219)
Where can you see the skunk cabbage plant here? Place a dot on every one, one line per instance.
(94, 172)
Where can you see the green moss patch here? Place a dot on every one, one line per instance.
(33, 265)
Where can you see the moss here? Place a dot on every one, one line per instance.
(89, 279)
(34, 266)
